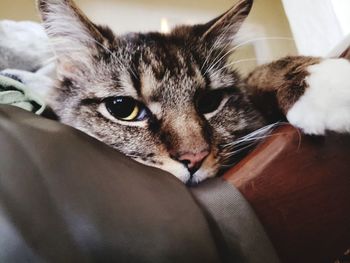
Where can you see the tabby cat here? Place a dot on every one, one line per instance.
(166, 100)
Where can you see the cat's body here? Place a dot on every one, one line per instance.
(166, 100)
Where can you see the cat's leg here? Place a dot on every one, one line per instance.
(312, 93)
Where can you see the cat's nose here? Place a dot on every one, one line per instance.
(193, 160)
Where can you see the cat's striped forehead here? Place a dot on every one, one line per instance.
(165, 69)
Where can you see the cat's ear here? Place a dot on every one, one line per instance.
(223, 28)
(74, 37)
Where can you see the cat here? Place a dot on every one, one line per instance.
(165, 100)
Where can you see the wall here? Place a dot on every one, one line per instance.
(320, 27)
(267, 19)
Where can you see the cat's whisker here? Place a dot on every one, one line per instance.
(66, 49)
(115, 57)
(220, 44)
(57, 42)
(299, 136)
(230, 160)
(70, 52)
(261, 39)
(222, 50)
(216, 57)
(248, 141)
(259, 133)
(232, 149)
(240, 61)
(215, 45)
(232, 153)
(254, 136)
(236, 147)
(243, 44)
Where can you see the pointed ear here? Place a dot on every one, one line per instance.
(223, 28)
(74, 37)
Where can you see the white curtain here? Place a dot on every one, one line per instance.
(318, 25)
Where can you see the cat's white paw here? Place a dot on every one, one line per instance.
(325, 105)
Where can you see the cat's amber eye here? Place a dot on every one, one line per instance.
(209, 101)
(125, 108)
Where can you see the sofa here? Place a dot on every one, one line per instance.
(66, 197)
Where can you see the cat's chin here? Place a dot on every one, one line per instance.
(202, 174)
(191, 180)
(178, 170)
(208, 169)
(171, 166)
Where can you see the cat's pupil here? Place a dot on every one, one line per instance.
(124, 108)
(209, 101)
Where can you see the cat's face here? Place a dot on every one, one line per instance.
(166, 100)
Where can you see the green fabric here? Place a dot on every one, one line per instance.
(15, 93)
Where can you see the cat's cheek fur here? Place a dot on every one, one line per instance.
(175, 168)
(325, 105)
(208, 169)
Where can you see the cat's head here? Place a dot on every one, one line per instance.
(166, 100)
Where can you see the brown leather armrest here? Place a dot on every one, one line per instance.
(299, 187)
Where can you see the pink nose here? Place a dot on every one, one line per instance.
(193, 160)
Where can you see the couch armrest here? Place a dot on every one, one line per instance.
(299, 186)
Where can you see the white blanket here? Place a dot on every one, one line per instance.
(26, 56)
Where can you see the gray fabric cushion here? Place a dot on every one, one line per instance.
(235, 221)
(66, 197)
